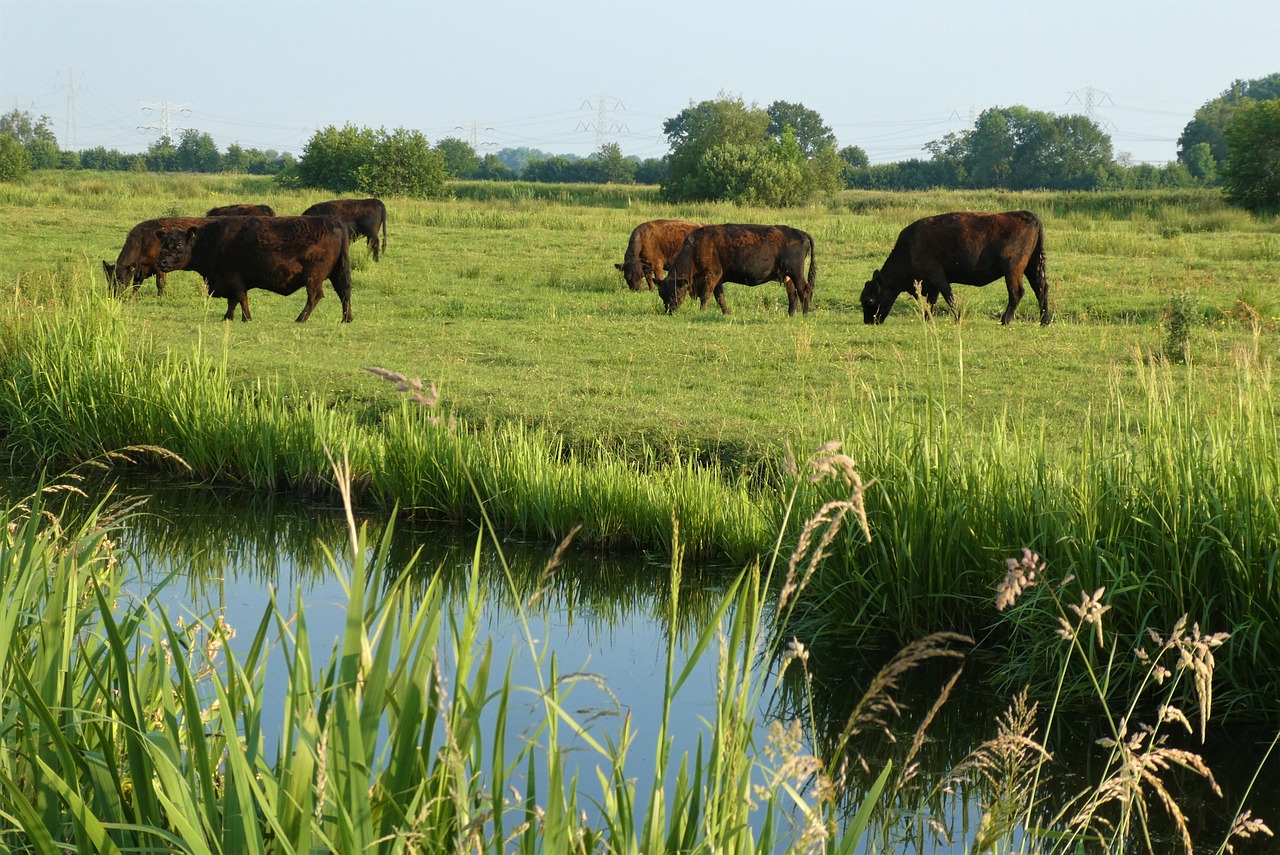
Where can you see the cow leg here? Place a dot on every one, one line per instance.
(1013, 280)
(342, 287)
(314, 295)
(719, 292)
(372, 241)
(160, 282)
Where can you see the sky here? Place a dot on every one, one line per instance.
(564, 77)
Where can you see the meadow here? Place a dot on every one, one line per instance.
(1129, 464)
(565, 399)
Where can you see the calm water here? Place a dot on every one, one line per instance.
(227, 551)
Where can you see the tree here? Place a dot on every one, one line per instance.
(614, 168)
(197, 152)
(1210, 122)
(811, 132)
(1252, 170)
(162, 156)
(1201, 163)
(402, 163)
(332, 158)
(26, 128)
(492, 169)
(15, 162)
(695, 132)
(460, 159)
(726, 149)
(236, 159)
(1020, 149)
(651, 170)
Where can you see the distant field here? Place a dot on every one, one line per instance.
(507, 297)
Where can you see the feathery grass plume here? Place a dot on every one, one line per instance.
(1009, 764)
(426, 399)
(1140, 755)
(1245, 826)
(827, 463)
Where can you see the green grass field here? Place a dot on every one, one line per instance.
(512, 305)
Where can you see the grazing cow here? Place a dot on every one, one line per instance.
(362, 217)
(241, 211)
(747, 254)
(967, 248)
(137, 259)
(280, 254)
(652, 245)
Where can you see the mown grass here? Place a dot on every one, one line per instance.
(578, 402)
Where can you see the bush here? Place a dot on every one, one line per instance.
(14, 160)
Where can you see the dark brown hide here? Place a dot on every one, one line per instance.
(966, 248)
(362, 217)
(137, 259)
(280, 254)
(241, 211)
(747, 254)
(652, 245)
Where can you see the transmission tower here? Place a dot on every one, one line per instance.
(1090, 100)
(166, 109)
(603, 125)
(475, 135)
(69, 139)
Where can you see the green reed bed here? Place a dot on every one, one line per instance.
(1170, 507)
(124, 731)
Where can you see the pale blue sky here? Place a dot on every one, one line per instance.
(888, 77)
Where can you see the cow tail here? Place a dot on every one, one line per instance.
(1042, 276)
(813, 265)
(384, 230)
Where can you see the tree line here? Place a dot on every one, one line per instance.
(725, 149)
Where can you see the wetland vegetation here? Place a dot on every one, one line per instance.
(563, 400)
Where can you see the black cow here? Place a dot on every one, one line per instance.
(280, 254)
(137, 259)
(747, 254)
(362, 217)
(242, 210)
(965, 248)
(651, 246)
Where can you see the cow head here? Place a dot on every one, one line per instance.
(877, 299)
(176, 246)
(119, 276)
(672, 291)
(633, 273)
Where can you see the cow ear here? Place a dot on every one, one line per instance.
(618, 266)
(191, 232)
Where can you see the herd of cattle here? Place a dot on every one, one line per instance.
(239, 247)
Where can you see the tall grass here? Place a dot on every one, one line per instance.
(125, 731)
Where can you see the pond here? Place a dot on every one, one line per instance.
(608, 615)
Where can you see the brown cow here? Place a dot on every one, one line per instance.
(243, 210)
(747, 254)
(280, 254)
(966, 248)
(652, 245)
(137, 259)
(362, 217)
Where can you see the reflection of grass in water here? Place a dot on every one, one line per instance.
(379, 749)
